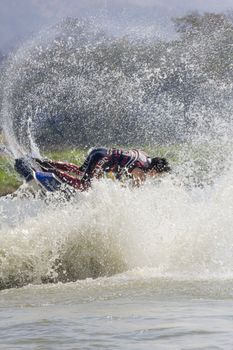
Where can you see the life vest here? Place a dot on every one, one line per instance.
(114, 160)
(119, 159)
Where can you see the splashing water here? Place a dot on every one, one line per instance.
(76, 86)
(174, 233)
(66, 88)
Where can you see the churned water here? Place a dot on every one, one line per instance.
(164, 253)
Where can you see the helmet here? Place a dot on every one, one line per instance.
(160, 165)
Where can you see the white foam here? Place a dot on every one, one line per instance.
(160, 229)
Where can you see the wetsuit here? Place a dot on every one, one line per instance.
(99, 160)
(114, 160)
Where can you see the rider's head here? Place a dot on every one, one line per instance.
(159, 165)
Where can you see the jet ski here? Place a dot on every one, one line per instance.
(38, 176)
(35, 176)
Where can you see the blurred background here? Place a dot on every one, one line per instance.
(21, 19)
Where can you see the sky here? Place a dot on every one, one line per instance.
(19, 19)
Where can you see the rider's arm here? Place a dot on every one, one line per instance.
(138, 176)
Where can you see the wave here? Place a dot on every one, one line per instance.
(164, 227)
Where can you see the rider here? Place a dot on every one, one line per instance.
(134, 164)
